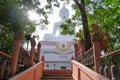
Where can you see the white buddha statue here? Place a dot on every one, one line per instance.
(56, 34)
(64, 14)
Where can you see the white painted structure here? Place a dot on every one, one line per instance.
(58, 49)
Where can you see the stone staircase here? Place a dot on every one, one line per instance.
(57, 77)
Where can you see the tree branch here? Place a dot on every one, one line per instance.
(77, 3)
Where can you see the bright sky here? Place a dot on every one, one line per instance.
(52, 18)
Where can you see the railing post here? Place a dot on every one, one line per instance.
(72, 58)
(32, 51)
(82, 50)
(38, 51)
(16, 49)
(96, 50)
(79, 77)
(2, 69)
(76, 48)
(43, 59)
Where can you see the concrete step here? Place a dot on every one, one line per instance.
(57, 77)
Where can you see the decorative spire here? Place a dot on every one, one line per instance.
(63, 5)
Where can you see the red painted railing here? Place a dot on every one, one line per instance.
(33, 73)
(89, 57)
(78, 56)
(23, 63)
(2, 53)
(80, 72)
(110, 66)
(24, 57)
(5, 61)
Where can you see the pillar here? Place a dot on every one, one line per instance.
(82, 46)
(16, 48)
(75, 49)
(96, 50)
(38, 51)
(32, 51)
(43, 59)
(72, 58)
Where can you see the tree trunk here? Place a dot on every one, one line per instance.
(87, 36)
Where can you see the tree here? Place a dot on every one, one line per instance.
(13, 17)
(79, 7)
(104, 13)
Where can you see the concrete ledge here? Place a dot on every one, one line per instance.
(57, 72)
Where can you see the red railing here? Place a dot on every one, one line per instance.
(81, 72)
(23, 63)
(2, 53)
(78, 56)
(110, 66)
(89, 57)
(33, 73)
(5, 61)
(24, 57)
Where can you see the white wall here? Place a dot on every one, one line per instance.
(57, 65)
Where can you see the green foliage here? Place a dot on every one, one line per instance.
(6, 39)
(68, 27)
(105, 13)
(80, 34)
(70, 24)
(92, 67)
(14, 17)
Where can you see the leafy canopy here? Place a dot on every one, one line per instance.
(105, 13)
(14, 17)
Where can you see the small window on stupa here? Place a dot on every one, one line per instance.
(63, 45)
(63, 67)
(47, 65)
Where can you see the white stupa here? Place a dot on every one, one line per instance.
(57, 48)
